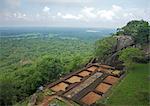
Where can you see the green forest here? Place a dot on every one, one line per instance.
(26, 64)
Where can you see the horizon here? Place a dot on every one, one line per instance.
(72, 14)
(57, 27)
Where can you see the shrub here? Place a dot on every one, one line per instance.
(104, 47)
(139, 30)
(130, 55)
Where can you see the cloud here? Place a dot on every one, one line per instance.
(114, 16)
(59, 1)
(116, 8)
(106, 15)
(127, 14)
(13, 2)
(59, 14)
(70, 16)
(109, 14)
(9, 4)
(19, 15)
(46, 9)
(90, 13)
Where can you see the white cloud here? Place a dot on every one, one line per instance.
(11, 3)
(104, 14)
(24, 15)
(59, 14)
(116, 8)
(59, 1)
(46, 9)
(110, 14)
(19, 15)
(88, 12)
(115, 14)
(69, 16)
(37, 15)
(88, 16)
(127, 14)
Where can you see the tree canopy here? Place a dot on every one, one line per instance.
(139, 30)
(104, 47)
(129, 55)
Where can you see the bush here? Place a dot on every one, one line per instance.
(25, 81)
(8, 93)
(130, 55)
(104, 47)
(139, 30)
(49, 69)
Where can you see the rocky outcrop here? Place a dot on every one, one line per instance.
(111, 59)
(123, 42)
(33, 99)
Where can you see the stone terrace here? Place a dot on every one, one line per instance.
(87, 85)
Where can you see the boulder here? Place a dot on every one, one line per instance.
(123, 42)
(33, 99)
(114, 61)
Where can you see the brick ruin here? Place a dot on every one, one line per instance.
(87, 85)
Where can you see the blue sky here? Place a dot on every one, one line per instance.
(73, 13)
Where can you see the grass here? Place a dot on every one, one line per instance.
(133, 90)
(40, 97)
(56, 102)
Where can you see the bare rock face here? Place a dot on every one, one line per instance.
(114, 61)
(32, 101)
(123, 42)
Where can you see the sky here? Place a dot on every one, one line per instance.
(72, 13)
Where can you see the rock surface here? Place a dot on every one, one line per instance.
(32, 101)
(123, 42)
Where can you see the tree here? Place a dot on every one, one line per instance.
(49, 68)
(8, 93)
(119, 31)
(139, 30)
(104, 47)
(129, 56)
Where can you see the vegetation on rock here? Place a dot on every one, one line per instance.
(104, 47)
(130, 55)
(139, 30)
(134, 89)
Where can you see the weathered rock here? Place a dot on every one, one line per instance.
(32, 100)
(123, 42)
(114, 61)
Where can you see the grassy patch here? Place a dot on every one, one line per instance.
(133, 89)
(56, 102)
